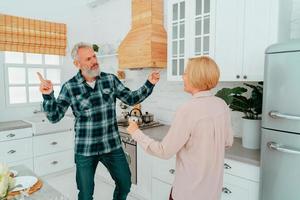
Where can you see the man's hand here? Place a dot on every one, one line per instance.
(132, 127)
(154, 77)
(46, 86)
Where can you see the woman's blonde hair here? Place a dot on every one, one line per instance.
(203, 72)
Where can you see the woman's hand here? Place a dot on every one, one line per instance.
(132, 127)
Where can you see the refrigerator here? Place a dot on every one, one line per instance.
(280, 146)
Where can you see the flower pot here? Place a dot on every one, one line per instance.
(251, 133)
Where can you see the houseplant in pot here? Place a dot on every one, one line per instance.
(251, 106)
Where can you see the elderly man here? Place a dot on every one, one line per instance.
(92, 96)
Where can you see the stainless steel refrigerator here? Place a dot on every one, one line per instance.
(280, 146)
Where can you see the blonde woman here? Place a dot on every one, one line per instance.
(198, 136)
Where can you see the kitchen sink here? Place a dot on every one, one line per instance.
(41, 125)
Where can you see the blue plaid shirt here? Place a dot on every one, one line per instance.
(96, 129)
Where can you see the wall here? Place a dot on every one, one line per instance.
(79, 28)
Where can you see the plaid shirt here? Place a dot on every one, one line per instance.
(96, 129)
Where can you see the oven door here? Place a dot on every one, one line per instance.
(130, 153)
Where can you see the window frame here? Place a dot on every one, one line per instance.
(26, 66)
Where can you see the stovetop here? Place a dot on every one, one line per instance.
(143, 125)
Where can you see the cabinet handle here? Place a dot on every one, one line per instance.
(54, 162)
(11, 151)
(53, 143)
(172, 171)
(245, 77)
(226, 190)
(237, 76)
(11, 135)
(226, 166)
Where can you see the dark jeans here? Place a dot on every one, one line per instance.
(116, 164)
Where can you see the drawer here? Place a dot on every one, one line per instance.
(243, 170)
(45, 144)
(15, 134)
(15, 150)
(28, 163)
(236, 188)
(164, 170)
(55, 162)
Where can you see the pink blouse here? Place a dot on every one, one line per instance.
(198, 136)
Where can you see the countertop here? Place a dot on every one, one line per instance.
(45, 193)
(11, 125)
(236, 152)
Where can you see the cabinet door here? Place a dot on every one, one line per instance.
(160, 190)
(235, 188)
(55, 162)
(202, 27)
(45, 144)
(257, 37)
(229, 37)
(177, 38)
(15, 150)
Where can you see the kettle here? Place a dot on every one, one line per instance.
(136, 115)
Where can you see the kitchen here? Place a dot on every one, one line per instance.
(240, 32)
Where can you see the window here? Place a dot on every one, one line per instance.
(22, 84)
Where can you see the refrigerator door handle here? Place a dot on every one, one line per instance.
(283, 148)
(276, 114)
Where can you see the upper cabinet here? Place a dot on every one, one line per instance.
(233, 32)
(190, 33)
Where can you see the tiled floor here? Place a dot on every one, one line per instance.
(66, 184)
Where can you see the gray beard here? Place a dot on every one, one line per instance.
(91, 73)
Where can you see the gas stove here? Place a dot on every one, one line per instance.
(143, 125)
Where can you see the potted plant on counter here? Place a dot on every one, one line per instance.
(251, 107)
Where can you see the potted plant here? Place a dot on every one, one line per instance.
(251, 107)
(96, 48)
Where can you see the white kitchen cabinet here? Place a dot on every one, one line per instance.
(241, 181)
(190, 33)
(53, 152)
(234, 32)
(16, 147)
(160, 189)
(163, 174)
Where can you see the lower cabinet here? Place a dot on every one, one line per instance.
(237, 188)
(160, 189)
(55, 162)
(163, 174)
(53, 152)
(241, 181)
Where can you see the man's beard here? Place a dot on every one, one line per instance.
(92, 73)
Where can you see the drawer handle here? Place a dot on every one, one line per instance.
(54, 162)
(226, 166)
(11, 152)
(172, 171)
(226, 190)
(53, 143)
(11, 135)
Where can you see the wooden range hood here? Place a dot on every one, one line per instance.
(146, 43)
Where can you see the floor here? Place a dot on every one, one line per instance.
(103, 191)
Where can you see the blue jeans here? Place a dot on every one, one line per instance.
(116, 164)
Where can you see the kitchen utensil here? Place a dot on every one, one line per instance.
(136, 115)
(147, 117)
